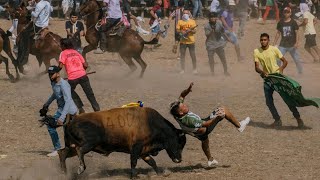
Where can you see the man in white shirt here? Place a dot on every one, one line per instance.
(114, 16)
(215, 6)
(310, 32)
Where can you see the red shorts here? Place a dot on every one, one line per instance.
(166, 4)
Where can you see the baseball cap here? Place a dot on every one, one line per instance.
(287, 9)
(53, 69)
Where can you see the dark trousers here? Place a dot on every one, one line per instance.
(23, 44)
(192, 51)
(222, 56)
(85, 84)
(268, 93)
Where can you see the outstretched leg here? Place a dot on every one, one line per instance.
(81, 151)
(142, 64)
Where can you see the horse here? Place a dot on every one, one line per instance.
(129, 45)
(45, 48)
(5, 45)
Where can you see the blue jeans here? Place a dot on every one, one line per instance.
(268, 93)
(53, 133)
(294, 54)
(197, 8)
(233, 37)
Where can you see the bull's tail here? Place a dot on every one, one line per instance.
(153, 41)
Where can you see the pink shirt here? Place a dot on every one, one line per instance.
(73, 62)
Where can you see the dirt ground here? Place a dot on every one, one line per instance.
(259, 152)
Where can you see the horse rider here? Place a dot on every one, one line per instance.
(114, 16)
(40, 17)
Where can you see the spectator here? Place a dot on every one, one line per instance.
(227, 21)
(309, 32)
(197, 9)
(177, 15)
(269, 5)
(215, 6)
(186, 27)
(215, 42)
(242, 9)
(288, 29)
(74, 26)
(154, 22)
(166, 6)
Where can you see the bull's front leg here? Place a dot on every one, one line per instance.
(82, 166)
(63, 156)
(149, 160)
(134, 156)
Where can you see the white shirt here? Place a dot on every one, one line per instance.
(309, 27)
(114, 10)
(215, 6)
(42, 13)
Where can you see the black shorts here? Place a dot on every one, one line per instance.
(310, 40)
(219, 112)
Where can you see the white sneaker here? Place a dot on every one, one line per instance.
(243, 124)
(195, 71)
(212, 163)
(182, 72)
(52, 154)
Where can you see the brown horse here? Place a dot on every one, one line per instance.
(129, 45)
(47, 47)
(5, 45)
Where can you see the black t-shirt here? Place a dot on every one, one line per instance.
(288, 32)
(78, 26)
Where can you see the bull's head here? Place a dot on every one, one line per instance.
(176, 145)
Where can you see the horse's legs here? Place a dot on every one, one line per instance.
(87, 49)
(13, 60)
(142, 64)
(129, 62)
(46, 62)
(5, 60)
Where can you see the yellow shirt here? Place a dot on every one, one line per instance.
(183, 26)
(268, 58)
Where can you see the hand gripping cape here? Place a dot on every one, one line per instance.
(290, 91)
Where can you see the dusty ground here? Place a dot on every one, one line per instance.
(257, 153)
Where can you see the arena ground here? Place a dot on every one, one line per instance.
(259, 152)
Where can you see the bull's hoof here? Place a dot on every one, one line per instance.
(80, 169)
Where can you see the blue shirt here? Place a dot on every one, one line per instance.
(228, 17)
(62, 93)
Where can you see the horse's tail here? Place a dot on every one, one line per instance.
(153, 41)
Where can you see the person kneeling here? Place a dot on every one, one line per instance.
(193, 125)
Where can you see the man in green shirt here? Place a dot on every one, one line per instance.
(200, 128)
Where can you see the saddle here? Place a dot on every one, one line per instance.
(40, 35)
(118, 29)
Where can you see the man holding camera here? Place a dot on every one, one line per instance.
(62, 94)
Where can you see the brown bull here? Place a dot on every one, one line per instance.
(140, 132)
